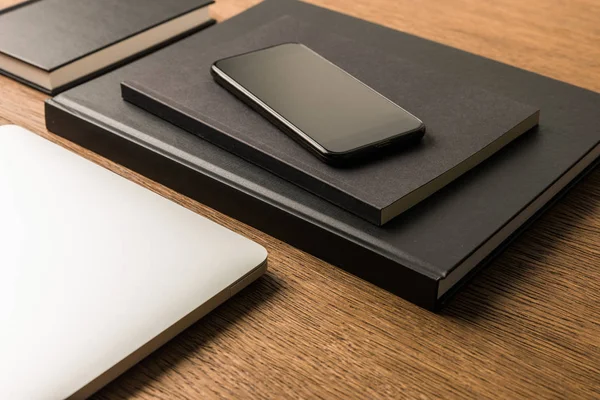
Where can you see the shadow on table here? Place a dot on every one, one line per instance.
(481, 298)
(190, 342)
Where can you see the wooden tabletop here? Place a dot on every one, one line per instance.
(527, 327)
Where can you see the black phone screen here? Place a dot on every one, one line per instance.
(327, 104)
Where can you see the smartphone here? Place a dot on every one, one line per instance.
(331, 113)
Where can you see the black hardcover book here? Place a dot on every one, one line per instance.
(54, 44)
(465, 124)
(425, 254)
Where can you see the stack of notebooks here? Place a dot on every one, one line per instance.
(419, 222)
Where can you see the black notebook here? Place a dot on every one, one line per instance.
(465, 124)
(54, 44)
(426, 253)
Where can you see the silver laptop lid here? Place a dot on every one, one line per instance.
(97, 271)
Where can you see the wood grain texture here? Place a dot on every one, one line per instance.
(527, 327)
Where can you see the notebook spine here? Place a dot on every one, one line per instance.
(154, 103)
(238, 203)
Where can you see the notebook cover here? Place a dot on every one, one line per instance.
(111, 67)
(461, 119)
(49, 34)
(408, 256)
